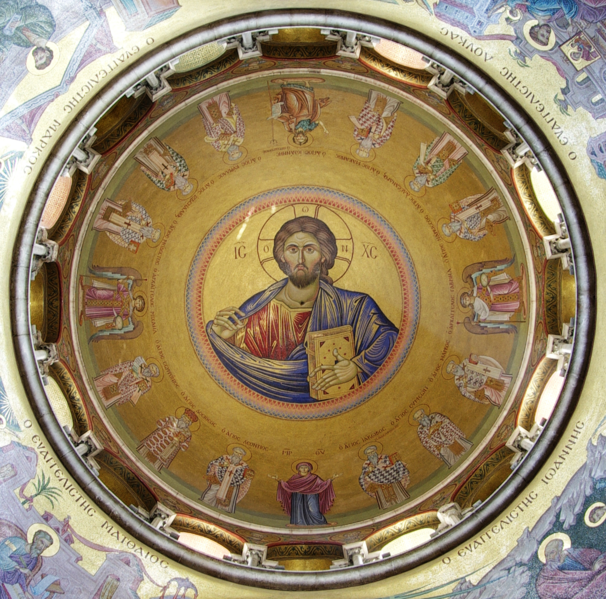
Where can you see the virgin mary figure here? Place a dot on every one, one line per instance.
(305, 497)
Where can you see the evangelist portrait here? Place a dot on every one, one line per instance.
(302, 339)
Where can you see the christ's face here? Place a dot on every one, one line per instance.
(303, 259)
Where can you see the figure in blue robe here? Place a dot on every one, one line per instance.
(286, 380)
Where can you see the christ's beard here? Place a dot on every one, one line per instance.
(302, 278)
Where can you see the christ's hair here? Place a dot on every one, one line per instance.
(315, 227)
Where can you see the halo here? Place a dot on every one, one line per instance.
(232, 446)
(342, 233)
(160, 377)
(423, 406)
(526, 31)
(54, 548)
(244, 153)
(361, 453)
(589, 510)
(448, 239)
(180, 411)
(310, 140)
(314, 465)
(182, 196)
(371, 155)
(459, 294)
(144, 296)
(409, 189)
(454, 357)
(31, 63)
(556, 535)
(162, 228)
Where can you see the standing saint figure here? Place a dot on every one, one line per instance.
(298, 110)
(305, 497)
(481, 379)
(164, 167)
(437, 161)
(375, 123)
(110, 305)
(19, 560)
(495, 296)
(229, 478)
(127, 224)
(126, 381)
(261, 343)
(475, 216)
(571, 573)
(224, 125)
(27, 24)
(384, 477)
(441, 437)
(172, 435)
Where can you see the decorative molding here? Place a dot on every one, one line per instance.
(119, 470)
(523, 183)
(533, 392)
(552, 296)
(120, 121)
(459, 104)
(52, 303)
(299, 50)
(74, 400)
(210, 531)
(305, 551)
(467, 492)
(223, 63)
(72, 208)
(372, 59)
(380, 538)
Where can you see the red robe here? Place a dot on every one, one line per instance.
(556, 582)
(311, 484)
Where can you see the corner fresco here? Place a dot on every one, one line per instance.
(44, 556)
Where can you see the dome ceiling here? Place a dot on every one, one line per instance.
(304, 277)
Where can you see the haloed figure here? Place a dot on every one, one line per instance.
(305, 497)
(267, 332)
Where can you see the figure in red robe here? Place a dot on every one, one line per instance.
(571, 573)
(305, 497)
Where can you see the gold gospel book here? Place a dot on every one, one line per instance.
(320, 347)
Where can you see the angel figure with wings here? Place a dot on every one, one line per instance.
(375, 123)
(110, 304)
(495, 297)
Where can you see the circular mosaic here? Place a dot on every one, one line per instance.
(267, 352)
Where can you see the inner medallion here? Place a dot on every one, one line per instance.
(308, 332)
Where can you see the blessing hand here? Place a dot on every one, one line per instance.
(227, 322)
(341, 372)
